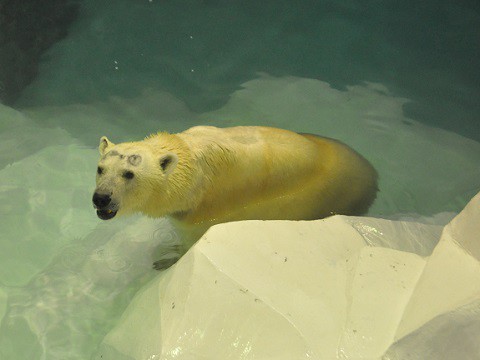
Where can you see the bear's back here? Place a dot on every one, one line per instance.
(268, 173)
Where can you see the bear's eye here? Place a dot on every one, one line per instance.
(128, 175)
(99, 170)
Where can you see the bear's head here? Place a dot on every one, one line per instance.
(127, 176)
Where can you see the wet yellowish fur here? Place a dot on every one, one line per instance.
(244, 173)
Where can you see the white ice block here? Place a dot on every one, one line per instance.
(452, 275)
(307, 290)
(266, 290)
(382, 285)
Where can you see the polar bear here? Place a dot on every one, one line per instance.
(207, 175)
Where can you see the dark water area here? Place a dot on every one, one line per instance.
(202, 51)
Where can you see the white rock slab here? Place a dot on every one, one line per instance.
(453, 335)
(222, 302)
(452, 275)
(308, 261)
(383, 283)
(303, 290)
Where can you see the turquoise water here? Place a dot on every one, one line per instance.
(202, 51)
(398, 82)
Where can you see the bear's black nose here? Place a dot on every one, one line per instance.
(101, 200)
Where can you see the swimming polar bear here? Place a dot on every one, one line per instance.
(207, 175)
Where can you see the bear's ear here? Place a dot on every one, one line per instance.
(168, 162)
(104, 145)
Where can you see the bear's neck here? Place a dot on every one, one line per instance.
(180, 194)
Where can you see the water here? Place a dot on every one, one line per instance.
(202, 51)
(398, 82)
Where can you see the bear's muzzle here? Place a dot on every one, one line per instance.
(104, 206)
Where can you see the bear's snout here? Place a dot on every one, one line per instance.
(105, 208)
(101, 200)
